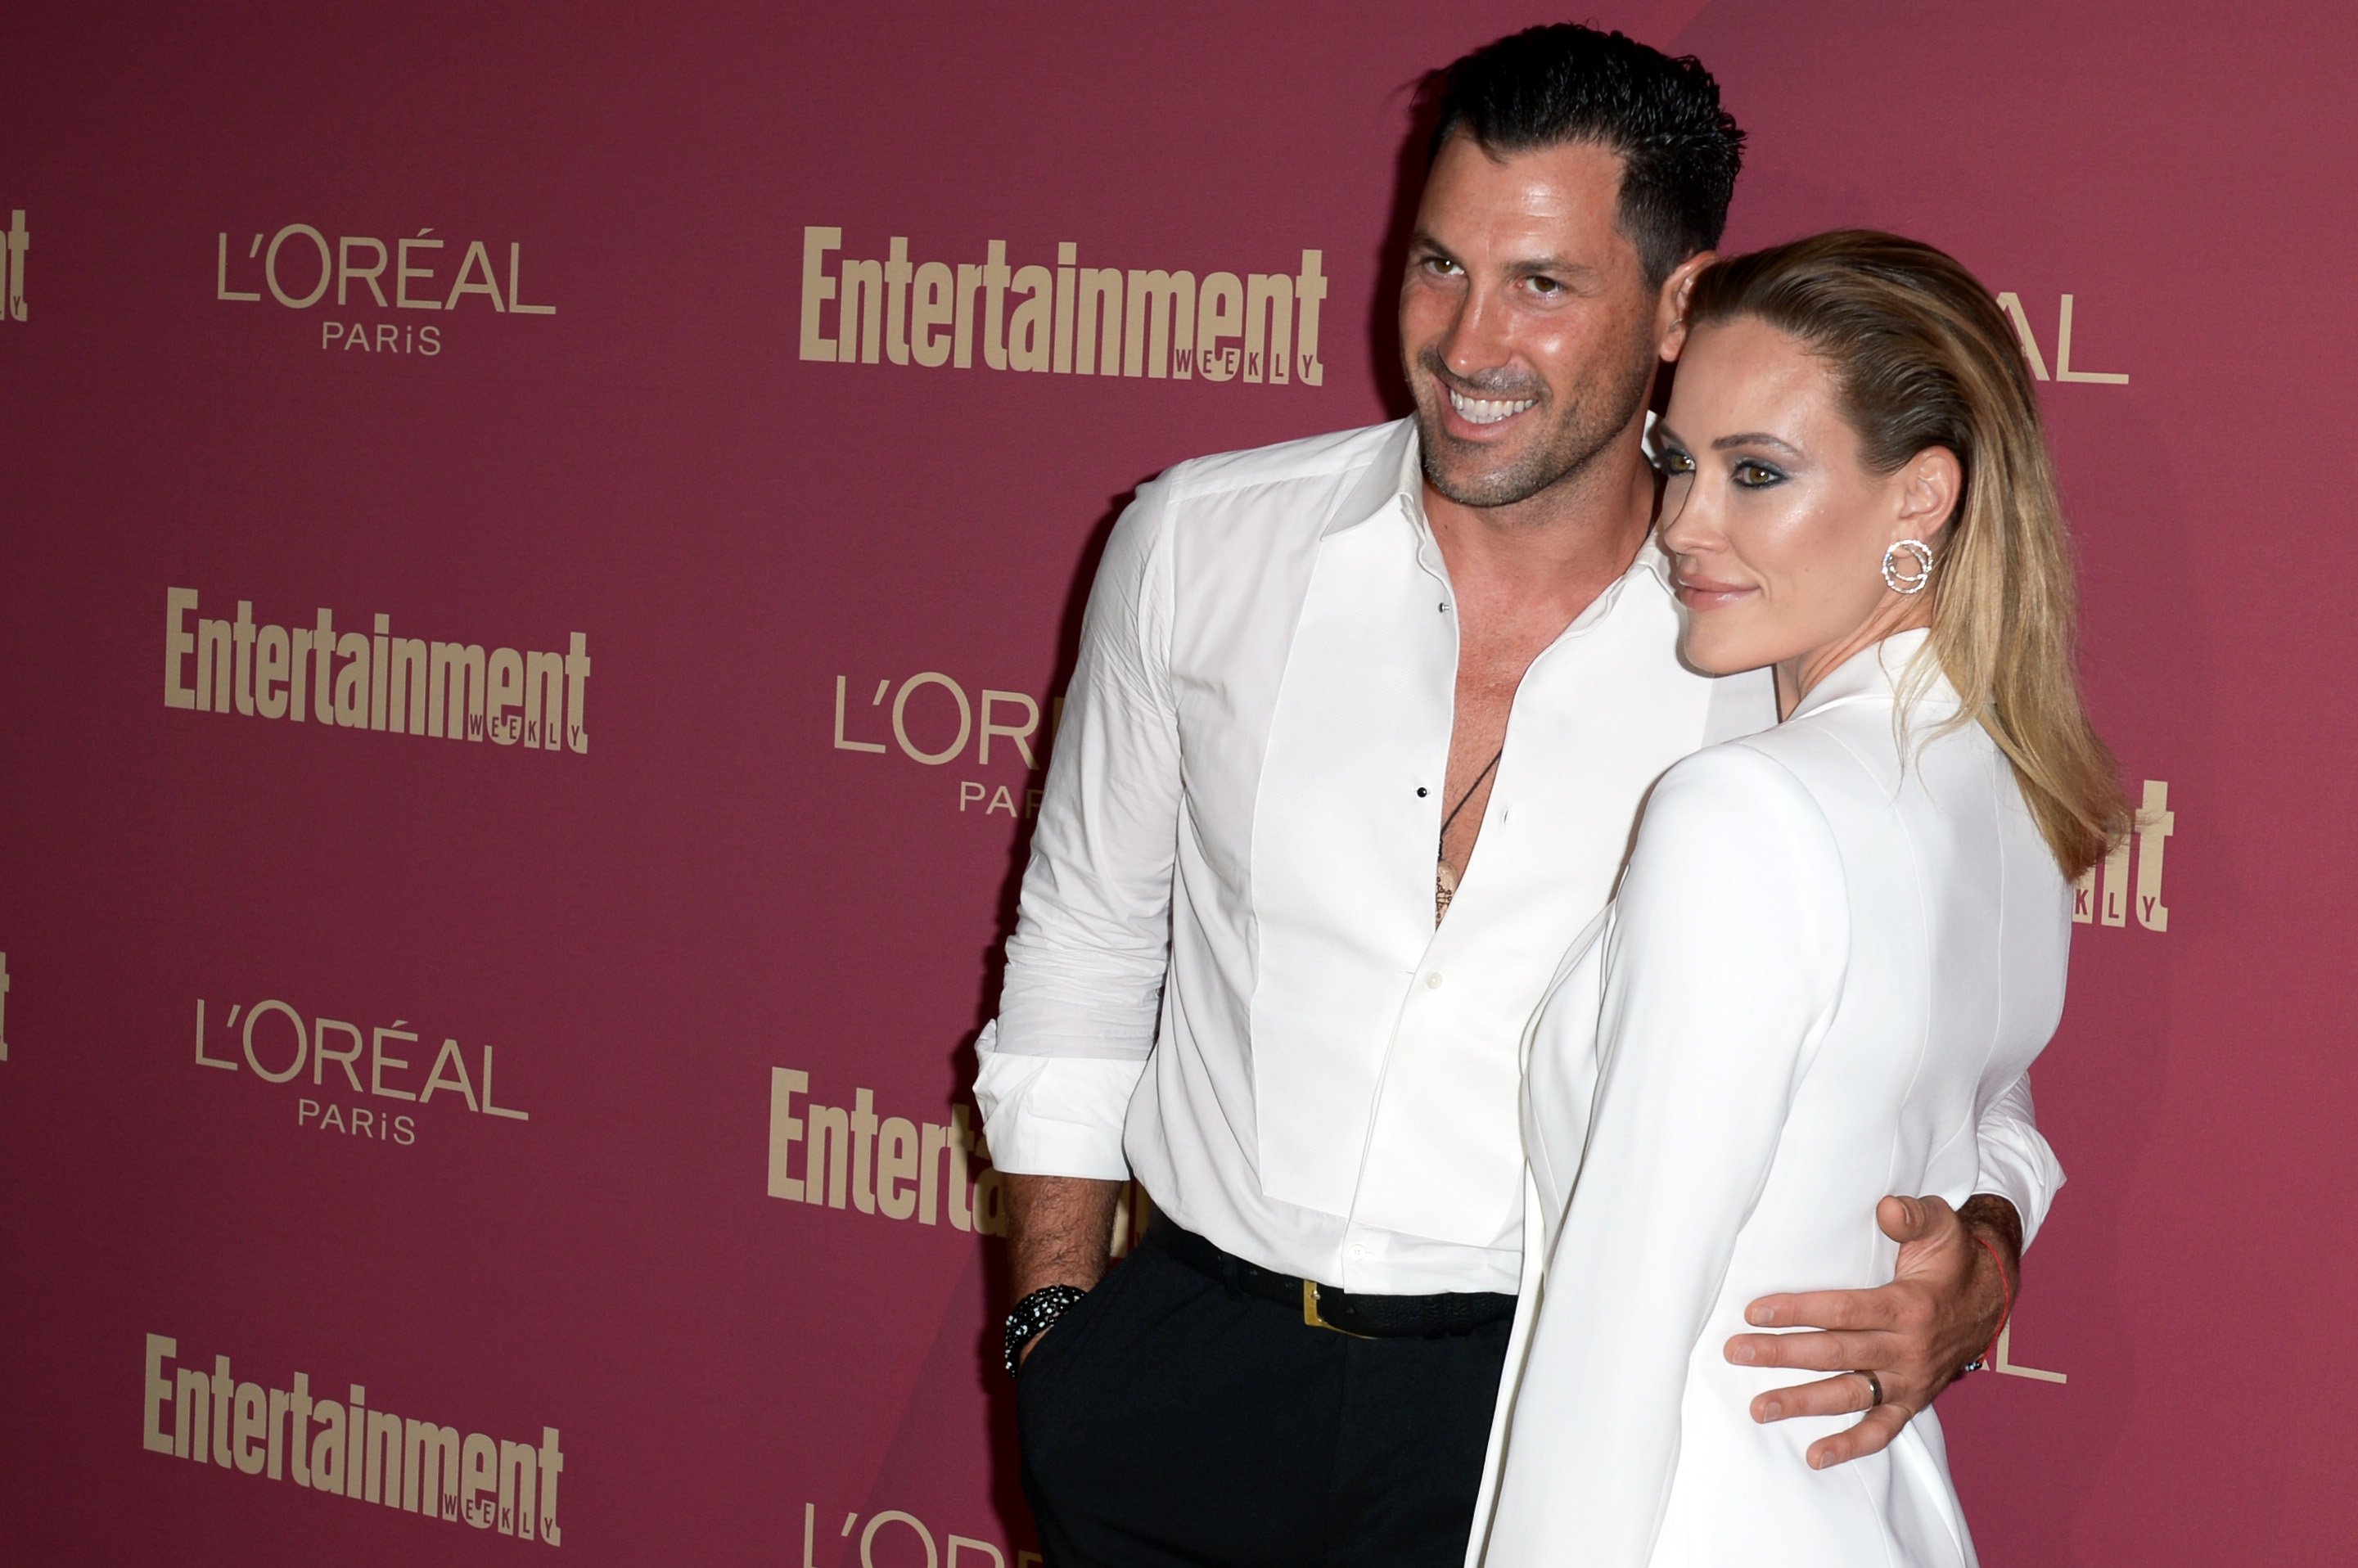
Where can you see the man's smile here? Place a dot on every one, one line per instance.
(1485, 411)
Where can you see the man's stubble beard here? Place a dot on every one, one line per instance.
(1597, 416)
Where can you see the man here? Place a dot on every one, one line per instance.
(1260, 963)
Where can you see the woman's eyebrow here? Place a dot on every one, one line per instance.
(1754, 439)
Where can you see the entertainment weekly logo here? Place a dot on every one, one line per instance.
(1069, 319)
(14, 245)
(344, 1449)
(374, 680)
(2109, 900)
(895, 1168)
(377, 282)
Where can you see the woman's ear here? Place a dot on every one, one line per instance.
(1930, 484)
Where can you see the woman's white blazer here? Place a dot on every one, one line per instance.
(1835, 944)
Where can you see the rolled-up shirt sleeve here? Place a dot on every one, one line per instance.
(2015, 1162)
(1086, 965)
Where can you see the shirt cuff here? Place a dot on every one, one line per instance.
(2017, 1165)
(1055, 1115)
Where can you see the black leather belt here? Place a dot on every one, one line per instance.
(1340, 1312)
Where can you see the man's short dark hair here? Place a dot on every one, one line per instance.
(1546, 86)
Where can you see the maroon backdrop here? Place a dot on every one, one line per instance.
(509, 325)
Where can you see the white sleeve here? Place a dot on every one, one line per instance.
(1085, 967)
(2017, 1163)
(1720, 976)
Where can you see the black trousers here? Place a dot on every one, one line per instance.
(1168, 1419)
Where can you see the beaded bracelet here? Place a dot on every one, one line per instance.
(1032, 1315)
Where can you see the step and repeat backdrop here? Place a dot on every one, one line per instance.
(542, 547)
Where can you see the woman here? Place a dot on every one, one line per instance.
(1834, 942)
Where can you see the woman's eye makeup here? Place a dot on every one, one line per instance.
(1751, 473)
(1674, 462)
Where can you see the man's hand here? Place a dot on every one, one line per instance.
(1942, 1307)
(1059, 1232)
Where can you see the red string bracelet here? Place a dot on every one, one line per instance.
(1989, 1356)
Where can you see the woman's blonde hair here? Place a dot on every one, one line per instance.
(1925, 358)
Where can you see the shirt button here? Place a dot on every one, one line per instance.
(1433, 981)
(1358, 1250)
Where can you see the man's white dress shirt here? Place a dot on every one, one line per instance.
(1226, 978)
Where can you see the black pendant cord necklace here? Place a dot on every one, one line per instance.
(1463, 800)
(1445, 879)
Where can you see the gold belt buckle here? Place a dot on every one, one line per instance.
(1310, 1313)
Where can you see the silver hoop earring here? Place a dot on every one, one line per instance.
(1923, 559)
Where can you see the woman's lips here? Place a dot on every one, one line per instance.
(1700, 593)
